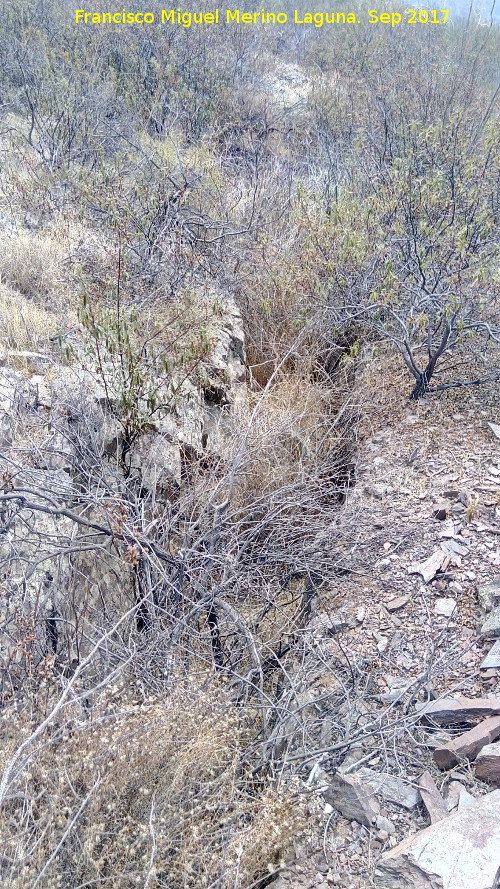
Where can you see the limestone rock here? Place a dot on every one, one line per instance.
(378, 490)
(384, 825)
(16, 394)
(466, 799)
(158, 461)
(458, 797)
(495, 428)
(397, 604)
(444, 607)
(429, 567)
(440, 511)
(459, 852)
(228, 355)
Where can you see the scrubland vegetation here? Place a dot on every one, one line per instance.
(341, 186)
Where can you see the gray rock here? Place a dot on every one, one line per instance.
(458, 797)
(384, 825)
(466, 799)
(492, 659)
(429, 567)
(397, 690)
(353, 800)
(397, 603)
(444, 607)
(453, 795)
(431, 798)
(454, 550)
(440, 511)
(450, 711)
(491, 626)
(16, 394)
(489, 594)
(157, 461)
(378, 490)
(390, 788)
(459, 852)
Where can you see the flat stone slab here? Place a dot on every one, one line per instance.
(430, 567)
(458, 797)
(390, 788)
(448, 711)
(468, 744)
(459, 852)
(444, 607)
(432, 799)
(397, 603)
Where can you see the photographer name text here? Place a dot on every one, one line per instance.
(187, 19)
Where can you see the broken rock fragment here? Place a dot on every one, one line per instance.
(440, 511)
(430, 567)
(491, 626)
(397, 603)
(459, 852)
(449, 711)
(488, 594)
(431, 798)
(444, 607)
(352, 799)
(492, 659)
(488, 764)
(458, 797)
(468, 744)
(390, 788)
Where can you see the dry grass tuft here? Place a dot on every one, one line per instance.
(157, 796)
(24, 325)
(31, 263)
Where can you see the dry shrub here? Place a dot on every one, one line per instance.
(31, 263)
(157, 796)
(293, 438)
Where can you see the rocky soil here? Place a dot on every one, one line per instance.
(417, 620)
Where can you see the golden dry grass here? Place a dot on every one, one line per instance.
(155, 796)
(31, 262)
(23, 324)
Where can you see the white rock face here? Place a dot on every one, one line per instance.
(460, 852)
(59, 429)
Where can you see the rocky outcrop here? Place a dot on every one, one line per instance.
(60, 450)
(457, 852)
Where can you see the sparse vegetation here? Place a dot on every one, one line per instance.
(213, 245)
